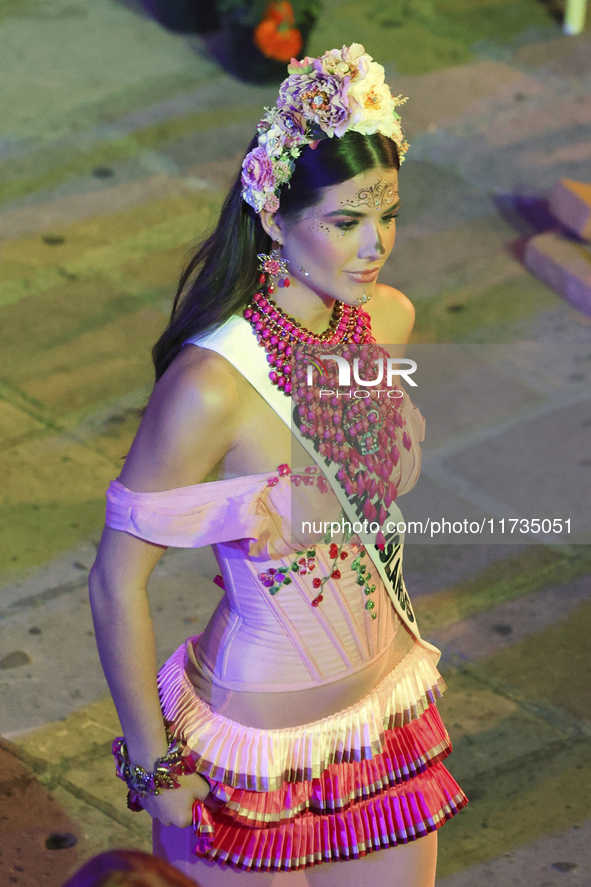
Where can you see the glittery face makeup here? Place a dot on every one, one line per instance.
(345, 239)
(379, 195)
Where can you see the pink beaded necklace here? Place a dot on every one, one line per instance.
(360, 436)
(278, 333)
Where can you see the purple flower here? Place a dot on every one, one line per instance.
(322, 99)
(293, 125)
(257, 171)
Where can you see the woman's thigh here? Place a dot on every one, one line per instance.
(409, 865)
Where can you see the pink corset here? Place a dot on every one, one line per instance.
(270, 633)
(266, 635)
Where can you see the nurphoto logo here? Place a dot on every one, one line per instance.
(394, 366)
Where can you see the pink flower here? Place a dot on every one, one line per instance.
(323, 100)
(322, 484)
(304, 67)
(257, 171)
(271, 203)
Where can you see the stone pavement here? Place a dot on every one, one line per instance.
(116, 142)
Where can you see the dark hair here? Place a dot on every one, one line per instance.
(127, 868)
(226, 263)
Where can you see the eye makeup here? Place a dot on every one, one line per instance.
(348, 219)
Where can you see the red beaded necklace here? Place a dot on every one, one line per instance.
(278, 333)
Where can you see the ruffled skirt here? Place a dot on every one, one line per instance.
(369, 777)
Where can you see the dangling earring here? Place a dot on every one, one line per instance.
(304, 272)
(274, 266)
(362, 299)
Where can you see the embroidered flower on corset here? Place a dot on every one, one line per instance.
(306, 565)
(302, 564)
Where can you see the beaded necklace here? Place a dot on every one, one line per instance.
(361, 435)
(278, 333)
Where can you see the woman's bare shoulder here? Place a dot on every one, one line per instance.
(392, 315)
(201, 376)
(189, 425)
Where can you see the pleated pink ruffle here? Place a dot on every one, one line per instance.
(262, 760)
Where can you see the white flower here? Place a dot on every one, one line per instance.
(273, 141)
(376, 106)
(374, 78)
(357, 58)
(352, 61)
(256, 199)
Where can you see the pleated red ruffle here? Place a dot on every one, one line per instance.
(350, 810)
(398, 815)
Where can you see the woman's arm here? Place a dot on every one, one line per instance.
(189, 426)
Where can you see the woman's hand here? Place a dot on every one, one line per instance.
(174, 806)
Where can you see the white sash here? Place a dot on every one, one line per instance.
(235, 340)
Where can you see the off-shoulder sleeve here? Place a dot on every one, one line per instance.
(188, 517)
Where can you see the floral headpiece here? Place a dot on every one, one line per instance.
(342, 91)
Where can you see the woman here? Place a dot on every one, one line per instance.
(303, 718)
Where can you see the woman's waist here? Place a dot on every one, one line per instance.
(284, 704)
(297, 636)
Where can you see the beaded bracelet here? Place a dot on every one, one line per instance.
(142, 783)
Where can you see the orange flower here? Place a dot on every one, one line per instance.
(281, 12)
(275, 36)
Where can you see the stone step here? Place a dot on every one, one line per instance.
(564, 265)
(570, 202)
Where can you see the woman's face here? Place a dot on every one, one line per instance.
(343, 241)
